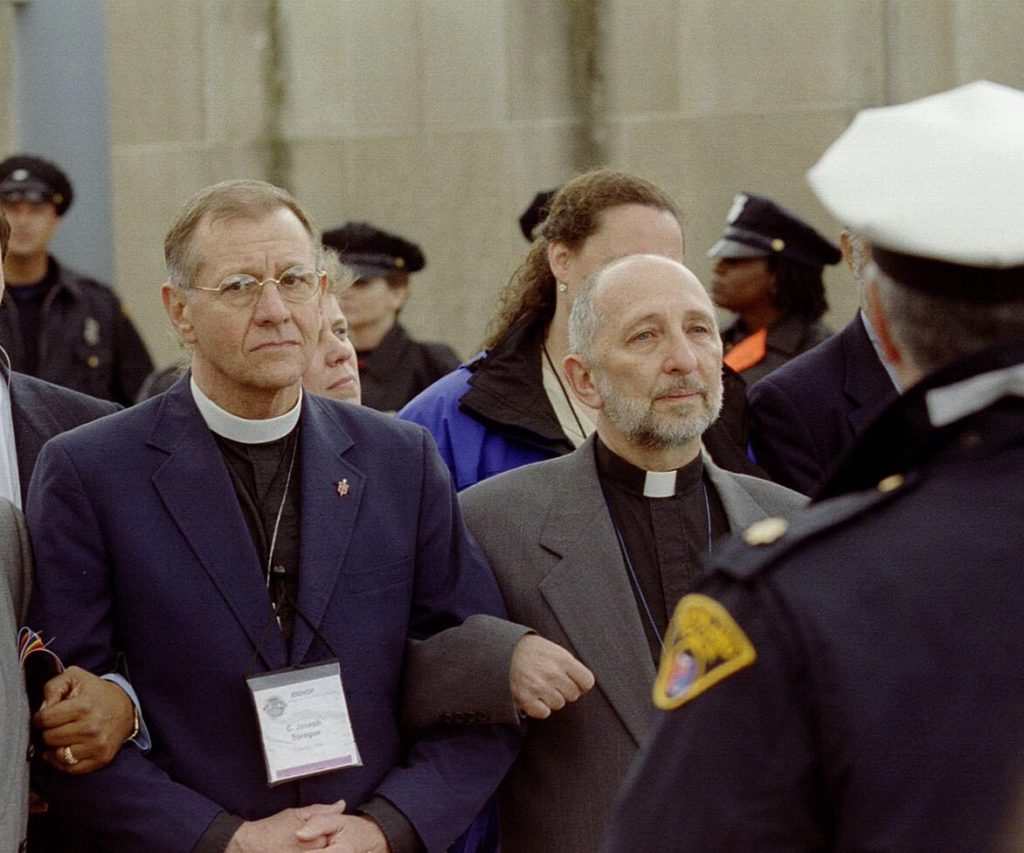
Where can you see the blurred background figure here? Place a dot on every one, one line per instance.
(393, 367)
(535, 214)
(334, 371)
(767, 271)
(510, 405)
(806, 415)
(55, 323)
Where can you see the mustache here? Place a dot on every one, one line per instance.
(681, 385)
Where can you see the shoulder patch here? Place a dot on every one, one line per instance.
(703, 646)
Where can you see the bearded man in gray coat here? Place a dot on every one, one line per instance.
(592, 550)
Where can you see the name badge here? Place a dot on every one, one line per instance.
(304, 722)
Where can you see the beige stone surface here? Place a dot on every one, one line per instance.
(634, 83)
(439, 119)
(7, 69)
(356, 67)
(536, 61)
(464, 53)
(740, 56)
(155, 67)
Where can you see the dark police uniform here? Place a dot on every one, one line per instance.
(398, 368)
(852, 679)
(86, 341)
(884, 706)
(67, 328)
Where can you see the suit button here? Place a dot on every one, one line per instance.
(482, 716)
(446, 717)
(460, 718)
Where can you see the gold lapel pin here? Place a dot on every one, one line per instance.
(342, 487)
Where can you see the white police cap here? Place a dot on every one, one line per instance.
(941, 178)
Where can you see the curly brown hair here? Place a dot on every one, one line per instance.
(575, 213)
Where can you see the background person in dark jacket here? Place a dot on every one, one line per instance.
(768, 272)
(393, 368)
(57, 324)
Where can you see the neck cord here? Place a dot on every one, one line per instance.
(280, 511)
(629, 563)
(565, 393)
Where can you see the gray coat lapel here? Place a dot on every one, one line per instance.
(589, 593)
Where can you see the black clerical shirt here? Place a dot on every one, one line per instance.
(259, 473)
(666, 540)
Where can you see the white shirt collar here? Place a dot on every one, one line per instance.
(873, 337)
(244, 430)
(10, 486)
(951, 403)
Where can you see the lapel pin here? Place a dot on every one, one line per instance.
(342, 488)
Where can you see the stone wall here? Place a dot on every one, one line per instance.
(439, 119)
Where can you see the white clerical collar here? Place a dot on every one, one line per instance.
(244, 430)
(659, 484)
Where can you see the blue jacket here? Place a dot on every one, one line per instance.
(492, 414)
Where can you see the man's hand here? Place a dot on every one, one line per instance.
(544, 677)
(356, 835)
(85, 715)
(279, 833)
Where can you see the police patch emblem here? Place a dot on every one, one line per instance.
(704, 645)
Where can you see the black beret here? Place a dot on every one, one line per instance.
(757, 227)
(372, 252)
(27, 178)
(536, 213)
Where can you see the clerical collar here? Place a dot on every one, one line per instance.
(616, 471)
(244, 430)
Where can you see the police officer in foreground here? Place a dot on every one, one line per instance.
(55, 323)
(393, 368)
(854, 679)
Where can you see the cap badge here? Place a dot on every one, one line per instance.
(91, 331)
(399, 263)
(778, 244)
(19, 175)
(767, 531)
(703, 645)
(738, 204)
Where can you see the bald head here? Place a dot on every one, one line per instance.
(624, 281)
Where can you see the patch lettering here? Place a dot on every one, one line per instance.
(704, 645)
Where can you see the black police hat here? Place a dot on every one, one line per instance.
(536, 213)
(372, 252)
(758, 227)
(27, 178)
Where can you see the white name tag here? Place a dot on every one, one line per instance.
(304, 722)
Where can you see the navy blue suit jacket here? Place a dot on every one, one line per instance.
(40, 410)
(806, 414)
(142, 550)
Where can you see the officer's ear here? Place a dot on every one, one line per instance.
(581, 381)
(178, 308)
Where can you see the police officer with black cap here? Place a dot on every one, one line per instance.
(853, 679)
(393, 368)
(55, 323)
(767, 271)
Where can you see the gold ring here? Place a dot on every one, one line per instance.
(67, 757)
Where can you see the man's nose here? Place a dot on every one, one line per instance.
(681, 357)
(270, 306)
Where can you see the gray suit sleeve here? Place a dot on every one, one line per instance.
(461, 675)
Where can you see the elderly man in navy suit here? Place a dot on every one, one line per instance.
(244, 547)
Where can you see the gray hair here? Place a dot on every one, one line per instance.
(340, 277)
(936, 330)
(236, 199)
(584, 319)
